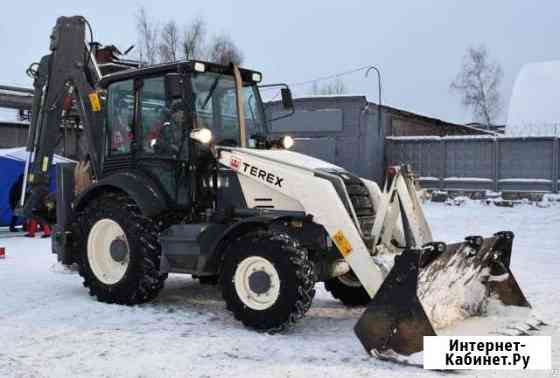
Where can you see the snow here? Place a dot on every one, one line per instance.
(447, 137)
(429, 178)
(515, 180)
(477, 179)
(413, 138)
(50, 327)
(533, 107)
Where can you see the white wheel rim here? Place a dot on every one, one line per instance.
(251, 298)
(102, 264)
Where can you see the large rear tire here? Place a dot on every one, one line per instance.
(119, 252)
(348, 290)
(268, 281)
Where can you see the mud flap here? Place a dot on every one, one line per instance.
(396, 319)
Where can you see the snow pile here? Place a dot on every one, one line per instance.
(457, 201)
(550, 197)
(533, 108)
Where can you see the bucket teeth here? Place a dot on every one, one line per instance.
(430, 252)
(395, 320)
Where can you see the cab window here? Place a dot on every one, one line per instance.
(120, 117)
(160, 121)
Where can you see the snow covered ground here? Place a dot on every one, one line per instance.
(50, 327)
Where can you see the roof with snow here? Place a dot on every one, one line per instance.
(534, 106)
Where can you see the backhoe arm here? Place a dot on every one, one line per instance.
(64, 80)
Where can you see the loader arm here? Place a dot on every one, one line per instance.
(317, 192)
(397, 206)
(64, 80)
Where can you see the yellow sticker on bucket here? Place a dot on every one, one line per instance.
(342, 243)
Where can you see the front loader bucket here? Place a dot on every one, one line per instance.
(435, 287)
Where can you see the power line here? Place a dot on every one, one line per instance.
(329, 77)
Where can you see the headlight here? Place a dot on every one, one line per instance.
(203, 136)
(287, 142)
(256, 77)
(199, 67)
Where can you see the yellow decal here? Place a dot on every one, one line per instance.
(45, 164)
(94, 101)
(342, 243)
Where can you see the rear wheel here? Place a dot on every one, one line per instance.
(119, 252)
(267, 280)
(348, 289)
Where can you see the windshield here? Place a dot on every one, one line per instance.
(216, 108)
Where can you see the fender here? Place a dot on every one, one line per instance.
(217, 243)
(147, 194)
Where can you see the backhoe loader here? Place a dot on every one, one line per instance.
(180, 175)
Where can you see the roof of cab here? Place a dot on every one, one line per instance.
(180, 66)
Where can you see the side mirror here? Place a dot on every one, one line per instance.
(287, 100)
(173, 86)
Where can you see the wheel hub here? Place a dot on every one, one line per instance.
(118, 250)
(257, 283)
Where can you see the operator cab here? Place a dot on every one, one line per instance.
(163, 120)
(167, 98)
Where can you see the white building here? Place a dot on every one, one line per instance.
(534, 108)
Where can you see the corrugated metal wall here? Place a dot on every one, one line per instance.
(12, 135)
(341, 130)
(479, 163)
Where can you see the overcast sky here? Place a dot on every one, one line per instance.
(418, 45)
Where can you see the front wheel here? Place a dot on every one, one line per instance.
(267, 280)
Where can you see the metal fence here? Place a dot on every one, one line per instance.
(500, 164)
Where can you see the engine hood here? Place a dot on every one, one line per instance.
(292, 158)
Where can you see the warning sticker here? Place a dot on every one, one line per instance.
(342, 243)
(94, 101)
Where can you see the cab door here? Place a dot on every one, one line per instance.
(161, 141)
(119, 123)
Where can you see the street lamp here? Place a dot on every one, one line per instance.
(378, 94)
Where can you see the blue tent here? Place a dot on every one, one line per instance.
(12, 165)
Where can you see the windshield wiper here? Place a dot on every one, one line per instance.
(211, 91)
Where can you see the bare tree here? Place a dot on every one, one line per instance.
(223, 50)
(147, 37)
(194, 39)
(169, 42)
(478, 84)
(337, 87)
(167, 45)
